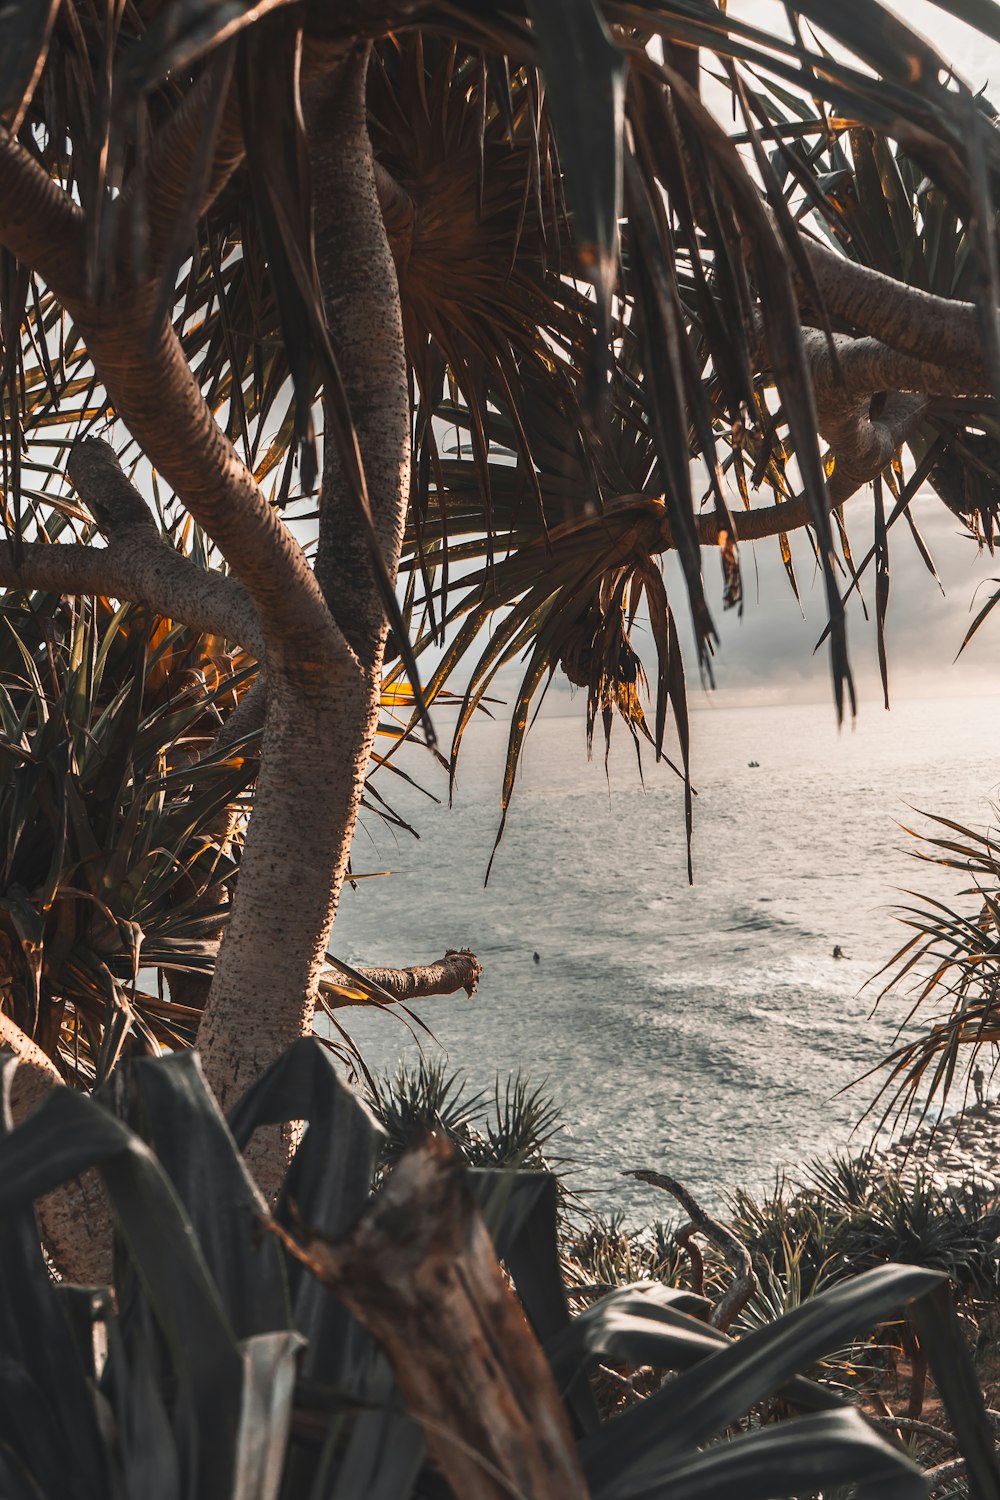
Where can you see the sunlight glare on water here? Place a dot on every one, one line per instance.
(704, 1030)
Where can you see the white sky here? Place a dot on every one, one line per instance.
(973, 56)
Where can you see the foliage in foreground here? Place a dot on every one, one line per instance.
(219, 1366)
(846, 1216)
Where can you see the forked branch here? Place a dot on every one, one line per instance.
(744, 1282)
(154, 391)
(138, 565)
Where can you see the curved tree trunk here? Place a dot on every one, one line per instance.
(262, 996)
(321, 719)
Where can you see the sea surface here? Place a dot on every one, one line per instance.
(704, 1030)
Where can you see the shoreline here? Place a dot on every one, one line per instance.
(961, 1148)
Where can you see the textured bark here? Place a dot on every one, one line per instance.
(466, 1361)
(866, 365)
(460, 969)
(863, 444)
(912, 321)
(154, 392)
(361, 298)
(869, 399)
(320, 726)
(138, 564)
(75, 1219)
(294, 859)
(39, 223)
(157, 397)
(744, 1282)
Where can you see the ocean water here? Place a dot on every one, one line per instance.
(704, 1030)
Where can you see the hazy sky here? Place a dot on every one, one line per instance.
(973, 56)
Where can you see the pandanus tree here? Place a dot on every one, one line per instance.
(283, 247)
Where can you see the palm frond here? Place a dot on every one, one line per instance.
(950, 966)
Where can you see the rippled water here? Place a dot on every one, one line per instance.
(706, 1030)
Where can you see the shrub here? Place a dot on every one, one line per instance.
(220, 1364)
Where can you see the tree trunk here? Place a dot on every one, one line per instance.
(320, 724)
(75, 1221)
(312, 768)
(361, 297)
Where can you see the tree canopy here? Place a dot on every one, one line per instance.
(277, 253)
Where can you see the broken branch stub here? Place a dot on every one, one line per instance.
(460, 969)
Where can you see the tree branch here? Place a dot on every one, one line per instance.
(864, 366)
(908, 319)
(744, 1283)
(944, 1473)
(39, 223)
(247, 717)
(892, 1423)
(864, 437)
(460, 969)
(137, 571)
(361, 301)
(154, 391)
(158, 398)
(138, 565)
(863, 444)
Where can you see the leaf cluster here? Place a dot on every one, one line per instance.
(597, 288)
(220, 1368)
(116, 822)
(517, 1133)
(950, 966)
